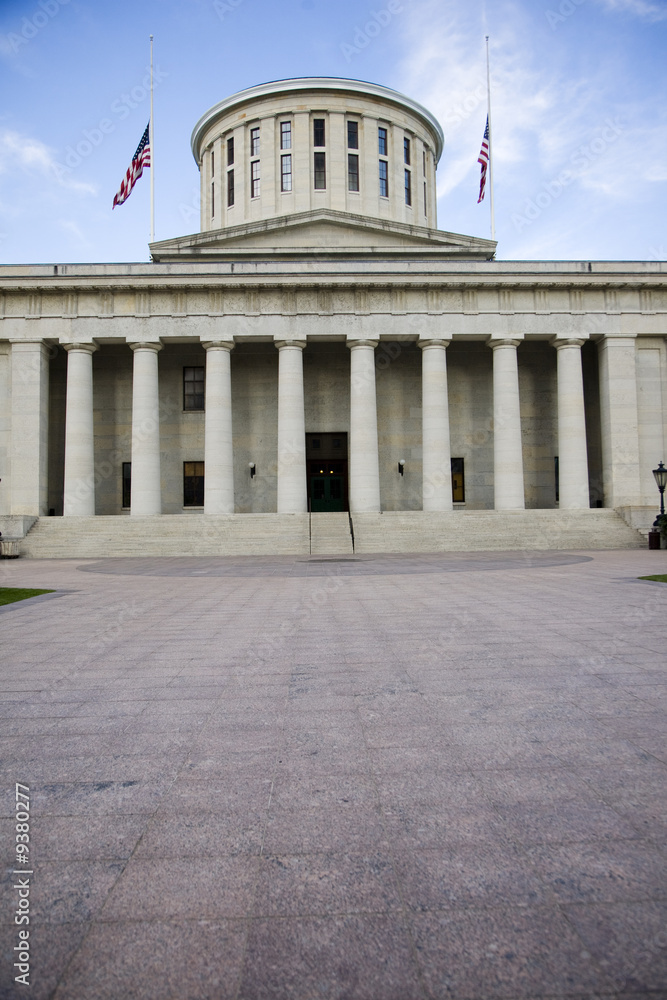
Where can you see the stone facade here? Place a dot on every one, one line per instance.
(326, 316)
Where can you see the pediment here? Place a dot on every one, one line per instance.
(322, 232)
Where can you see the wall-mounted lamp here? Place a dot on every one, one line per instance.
(401, 466)
(253, 470)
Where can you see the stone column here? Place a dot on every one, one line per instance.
(572, 453)
(618, 417)
(437, 462)
(218, 449)
(29, 469)
(292, 491)
(507, 451)
(364, 461)
(146, 493)
(79, 491)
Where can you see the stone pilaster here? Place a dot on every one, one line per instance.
(364, 466)
(218, 447)
(146, 492)
(572, 453)
(437, 463)
(507, 450)
(79, 490)
(29, 468)
(292, 491)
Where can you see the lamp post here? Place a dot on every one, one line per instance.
(660, 475)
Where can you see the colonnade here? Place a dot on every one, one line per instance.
(364, 474)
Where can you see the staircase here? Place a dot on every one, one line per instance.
(330, 534)
(487, 530)
(288, 534)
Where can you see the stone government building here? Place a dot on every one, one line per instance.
(322, 368)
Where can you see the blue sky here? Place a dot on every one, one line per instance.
(579, 115)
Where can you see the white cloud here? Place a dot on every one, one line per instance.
(72, 229)
(19, 153)
(645, 9)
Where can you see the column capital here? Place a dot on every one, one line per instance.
(577, 341)
(299, 342)
(434, 342)
(512, 341)
(89, 346)
(226, 344)
(353, 342)
(145, 345)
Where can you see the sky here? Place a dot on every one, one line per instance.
(578, 112)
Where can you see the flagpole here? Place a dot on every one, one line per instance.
(488, 97)
(152, 145)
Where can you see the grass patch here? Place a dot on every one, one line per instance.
(10, 594)
(660, 578)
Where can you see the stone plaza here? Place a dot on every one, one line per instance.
(377, 777)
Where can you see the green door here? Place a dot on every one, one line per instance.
(326, 493)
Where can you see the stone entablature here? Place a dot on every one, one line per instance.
(317, 142)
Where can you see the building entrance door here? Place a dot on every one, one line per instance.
(326, 459)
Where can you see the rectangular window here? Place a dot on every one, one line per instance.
(230, 152)
(254, 141)
(425, 209)
(318, 132)
(193, 388)
(127, 484)
(352, 172)
(212, 164)
(230, 188)
(286, 172)
(408, 188)
(556, 479)
(212, 199)
(384, 179)
(458, 481)
(285, 135)
(406, 150)
(254, 179)
(424, 162)
(353, 135)
(382, 141)
(320, 171)
(193, 484)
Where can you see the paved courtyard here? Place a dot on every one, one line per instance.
(382, 778)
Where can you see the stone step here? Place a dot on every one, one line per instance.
(288, 534)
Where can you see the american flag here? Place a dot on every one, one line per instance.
(141, 159)
(483, 159)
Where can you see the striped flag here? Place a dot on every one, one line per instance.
(483, 159)
(141, 159)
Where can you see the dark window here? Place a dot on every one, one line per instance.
(285, 135)
(212, 164)
(254, 141)
(318, 132)
(382, 141)
(353, 135)
(458, 481)
(230, 151)
(352, 172)
(320, 171)
(286, 172)
(193, 484)
(406, 150)
(384, 180)
(315, 443)
(556, 478)
(254, 179)
(424, 162)
(193, 388)
(127, 484)
(230, 188)
(212, 199)
(425, 212)
(408, 188)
